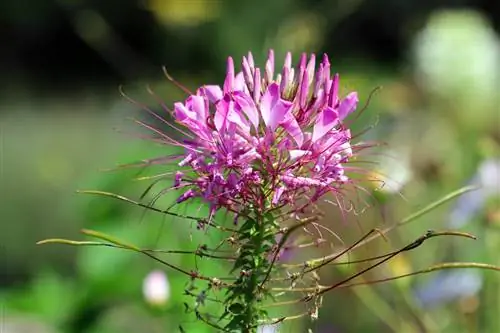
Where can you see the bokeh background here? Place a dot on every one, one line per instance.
(63, 121)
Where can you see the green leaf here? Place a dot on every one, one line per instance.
(71, 242)
(236, 308)
(110, 239)
(235, 323)
(247, 225)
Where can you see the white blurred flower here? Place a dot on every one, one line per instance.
(156, 288)
(268, 329)
(394, 170)
(457, 56)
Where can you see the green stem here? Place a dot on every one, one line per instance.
(252, 291)
(256, 237)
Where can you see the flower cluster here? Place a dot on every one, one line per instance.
(265, 139)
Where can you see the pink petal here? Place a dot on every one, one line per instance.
(285, 79)
(257, 85)
(303, 90)
(301, 181)
(277, 195)
(181, 112)
(213, 93)
(236, 117)
(286, 74)
(293, 128)
(227, 117)
(334, 90)
(326, 68)
(221, 113)
(320, 100)
(239, 82)
(310, 68)
(186, 195)
(326, 120)
(229, 82)
(249, 156)
(273, 109)
(318, 84)
(298, 153)
(197, 105)
(303, 61)
(178, 178)
(248, 107)
(247, 73)
(348, 105)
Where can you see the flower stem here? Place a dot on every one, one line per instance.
(259, 265)
(256, 239)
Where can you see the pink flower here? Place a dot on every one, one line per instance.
(265, 138)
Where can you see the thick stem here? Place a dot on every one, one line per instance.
(258, 265)
(256, 240)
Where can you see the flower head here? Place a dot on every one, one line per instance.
(266, 138)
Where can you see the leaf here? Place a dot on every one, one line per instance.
(236, 308)
(110, 239)
(70, 242)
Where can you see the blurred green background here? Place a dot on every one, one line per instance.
(63, 121)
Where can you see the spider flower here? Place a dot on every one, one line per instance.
(265, 139)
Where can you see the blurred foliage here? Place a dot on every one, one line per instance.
(438, 111)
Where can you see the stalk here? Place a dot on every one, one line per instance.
(252, 292)
(257, 239)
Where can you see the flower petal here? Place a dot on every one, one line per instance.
(239, 83)
(326, 120)
(277, 195)
(236, 117)
(257, 86)
(221, 113)
(311, 65)
(197, 105)
(226, 115)
(229, 81)
(334, 91)
(293, 128)
(182, 113)
(303, 90)
(247, 73)
(273, 109)
(348, 105)
(298, 153)
(213, 93)
(248, 107)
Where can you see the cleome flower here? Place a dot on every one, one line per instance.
(264, 138)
